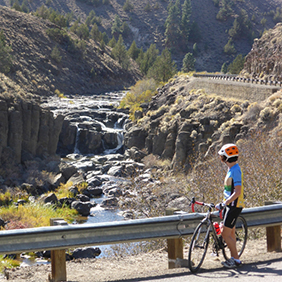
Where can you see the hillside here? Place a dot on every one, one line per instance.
(147, 24)
(81, 70)
(264, 60)
(183, 123)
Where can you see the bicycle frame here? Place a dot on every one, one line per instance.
(199, 244)
(208, 219)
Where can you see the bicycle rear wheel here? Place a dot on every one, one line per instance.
(241, 234)
(198, 246)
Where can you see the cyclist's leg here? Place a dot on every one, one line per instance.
(230, 240)
(233, 233)
(228, 230)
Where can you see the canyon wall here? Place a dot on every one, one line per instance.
(27, 131)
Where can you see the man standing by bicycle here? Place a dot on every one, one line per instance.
(233, 201)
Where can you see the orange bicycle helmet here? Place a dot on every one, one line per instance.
(229, 151)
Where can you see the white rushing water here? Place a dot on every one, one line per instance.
(85, 105)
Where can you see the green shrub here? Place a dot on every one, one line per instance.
(229, 48)
(148, 7)
(141, 92)
(119, 53)
(133, 51)
(6, 59)
(62, 37)
(128, 7)
(92, 19)
(188, 63)
(163, 68)
(224, 68)
(53, 16)
(237, 65)
(55, 54)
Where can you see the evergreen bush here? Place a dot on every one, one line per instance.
(237, 65)
(119, 53)
(5, 56)
(188, 63)
(55, 54)
(229, 48)
(163, 68)
(128, 7)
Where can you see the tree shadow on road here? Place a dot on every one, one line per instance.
(261, 269)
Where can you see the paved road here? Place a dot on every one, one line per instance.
(268, 271)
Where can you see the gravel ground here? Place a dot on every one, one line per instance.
(134, 268)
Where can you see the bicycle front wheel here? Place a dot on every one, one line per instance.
(198, 246)
(241, 233)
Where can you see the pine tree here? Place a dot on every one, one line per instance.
(133, 51)
(163, 68)
(149, 58)
(185, 21)
(172, 26)
(224, 68)
(188, 63)
(112, 43)
(119, 53)
(237, 65)
(83, 32)
(5, 56)
(56, 55)
(117, 26)
(229, 48)
(95, 33)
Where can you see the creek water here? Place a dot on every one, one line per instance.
(84, 106)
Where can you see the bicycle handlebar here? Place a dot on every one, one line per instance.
(211, 206)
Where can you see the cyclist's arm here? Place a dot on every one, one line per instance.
(234, 195)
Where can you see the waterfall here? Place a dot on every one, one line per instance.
(76, 150)
(120, 143)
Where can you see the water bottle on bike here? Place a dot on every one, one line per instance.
(217, 228)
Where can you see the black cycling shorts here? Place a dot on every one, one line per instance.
(230, 216)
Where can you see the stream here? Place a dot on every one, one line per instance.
(99, 116)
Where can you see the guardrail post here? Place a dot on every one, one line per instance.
(174, 247)
(273, 235)
(58, 257)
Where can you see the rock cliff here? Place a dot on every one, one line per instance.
(26, 130)
(265, 58)
(184, 125)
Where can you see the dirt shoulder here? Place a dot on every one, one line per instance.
(133, 268)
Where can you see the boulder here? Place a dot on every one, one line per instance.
(116, 171)
(76, 179)
(109, 203)
(181, 203)
(67, 170)
(115, 192)
(51, 198)
(66, 201)
(82, 208)
(135, 154)
(86, 253)
(93, 192)
(82, 198)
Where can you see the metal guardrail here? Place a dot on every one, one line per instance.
(231, 77)
(173, 226)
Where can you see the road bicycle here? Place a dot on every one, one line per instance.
(206, 230)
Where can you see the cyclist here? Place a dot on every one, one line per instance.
(233, 201)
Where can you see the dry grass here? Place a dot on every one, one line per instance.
(261, 163)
